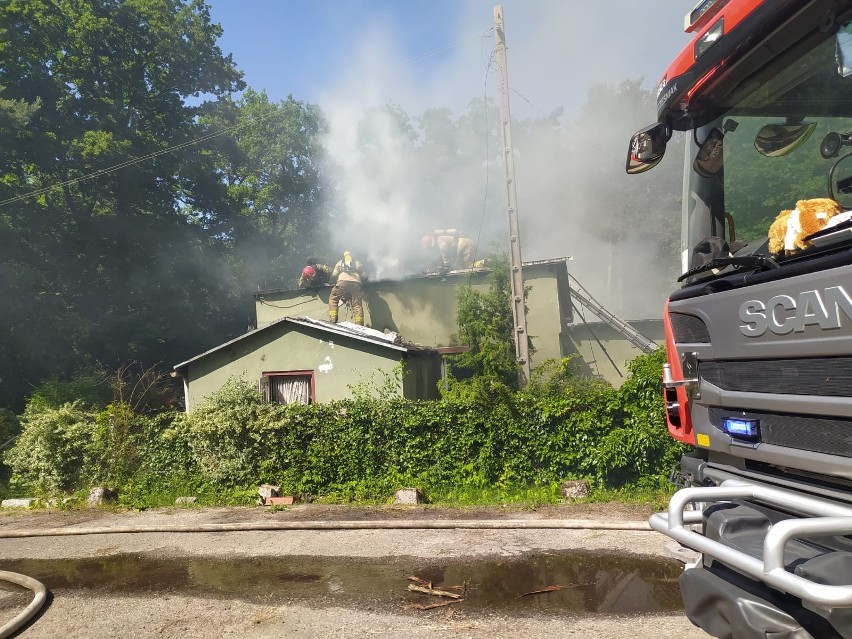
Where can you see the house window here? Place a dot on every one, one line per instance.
(288, 387)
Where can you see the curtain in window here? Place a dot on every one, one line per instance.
(289, 389)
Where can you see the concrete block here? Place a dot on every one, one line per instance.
(575, 489)
(100, 495)
(23, 502)
(267, 490)
(408, 496)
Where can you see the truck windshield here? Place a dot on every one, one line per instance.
(785, 135)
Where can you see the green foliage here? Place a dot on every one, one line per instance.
(52, 452)
(561, 376)
(519, 496)
(638, 450)
(108, 268)
(485, 325)
(112, 452)
(478, 448)
(270, 202)
(226, 434)
(10, 427)
(66, 446)
(142, 390)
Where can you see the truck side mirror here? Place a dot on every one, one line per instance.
(647, 148)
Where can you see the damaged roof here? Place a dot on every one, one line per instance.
(426, 276)
(387, 339)
(365, 333)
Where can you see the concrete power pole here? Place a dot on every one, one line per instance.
(522, 348)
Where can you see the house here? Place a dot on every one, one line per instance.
(412, 323)
(307, 360)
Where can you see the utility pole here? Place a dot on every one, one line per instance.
(519, 313)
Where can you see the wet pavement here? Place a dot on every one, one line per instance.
(558, 582)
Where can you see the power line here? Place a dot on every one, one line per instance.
(528, 101)
(122, 165)
(568, 125)
(446, 47)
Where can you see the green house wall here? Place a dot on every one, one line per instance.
(604, 352)
(423, 310)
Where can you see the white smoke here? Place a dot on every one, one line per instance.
(389, 194)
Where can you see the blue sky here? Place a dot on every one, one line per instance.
(433, 54)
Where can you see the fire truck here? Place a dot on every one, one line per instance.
(758, 379)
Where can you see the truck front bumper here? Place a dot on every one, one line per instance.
(767, 569)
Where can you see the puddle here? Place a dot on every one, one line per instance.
(589, 583)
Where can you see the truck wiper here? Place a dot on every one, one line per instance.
(761, 262)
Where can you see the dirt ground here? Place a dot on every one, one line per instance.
(101, 611)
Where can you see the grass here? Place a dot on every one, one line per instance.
(163, 495)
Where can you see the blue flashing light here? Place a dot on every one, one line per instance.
(742, 428)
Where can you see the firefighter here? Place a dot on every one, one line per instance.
(347, 275)
(314, 274)
(455, 252)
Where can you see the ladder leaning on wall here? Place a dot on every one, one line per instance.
(636, 338)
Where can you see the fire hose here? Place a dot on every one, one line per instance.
(40, 596)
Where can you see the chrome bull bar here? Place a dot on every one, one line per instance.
(823, 518)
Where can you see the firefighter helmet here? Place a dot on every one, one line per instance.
(309, 271)
(427, 241)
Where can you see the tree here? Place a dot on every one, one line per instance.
(271, 211)
(486, 326)
(107, 267)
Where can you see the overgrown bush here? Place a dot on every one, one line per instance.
(54, 448)
(90, 387)
(486, 326)
(363, 448)
(638, 450)
(70, 445)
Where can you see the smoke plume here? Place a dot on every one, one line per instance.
(569, 160)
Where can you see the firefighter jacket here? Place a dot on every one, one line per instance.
(347, 270)
(457, 252)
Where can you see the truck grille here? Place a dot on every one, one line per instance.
(830, 435)
(688, 329)
(824, 377)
